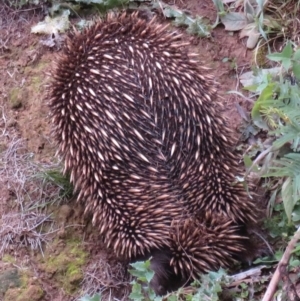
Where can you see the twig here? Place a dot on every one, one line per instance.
(281, 265)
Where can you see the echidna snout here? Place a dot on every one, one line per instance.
(197, 245)
(164, 280)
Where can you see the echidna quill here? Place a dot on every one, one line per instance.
(138, 122)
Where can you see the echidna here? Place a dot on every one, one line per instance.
(138, 121)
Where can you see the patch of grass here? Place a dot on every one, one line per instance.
(54, 177)
(277, 112)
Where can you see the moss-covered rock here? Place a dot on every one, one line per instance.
(16, 98)
(9, 279)
(65, 265)
(22, 287)
(32, 292)
(8, 259)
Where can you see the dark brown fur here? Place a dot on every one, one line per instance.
(138, 122)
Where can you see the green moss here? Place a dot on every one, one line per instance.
(15, 98)
(66, 266)
(41, 66)
(8, 259)
(36, 68)
(9, 279)
(26, 291)
(259, 56)
(31, 293)
(34, 72)
(36, 83)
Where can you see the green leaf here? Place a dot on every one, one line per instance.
(88, 298)
(287, 193)
(296, 55)
(141, 265)
(265, 260)
(296, 218)
(149, 275)
(247, 161)
(284, 57)
(172, 298)
(136, 293)
(294, 263)
(249, 9)
(219, 5)
(278, 255)
(139, 274)
(266, 94)
(234, 21)
(250, 31)
(196, 26)
(253, 38)
(170, 12)
(296, 70)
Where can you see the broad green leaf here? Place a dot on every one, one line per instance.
(287, 137)
(249, 9)
(287, 50)
(136, 293)
(96, 297)
(260, 26)
(296, 218)
(234, 21)
(253, 38)
(247, 161)
(255, 79)
(266, 94)
(149, 275)
(196, 26)
(172, 298)
(296, 70)
(284, 57)
(287, 193)
(265, 260)
(219, 5)
(294, 263)
(296, 55)
(260, 5)
(139, 274)
(141, 265)
(170, 12)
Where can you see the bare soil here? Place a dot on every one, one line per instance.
(73, 259)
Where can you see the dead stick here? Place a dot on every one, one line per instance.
(282, 264)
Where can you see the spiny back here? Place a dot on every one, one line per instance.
(137, 121)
